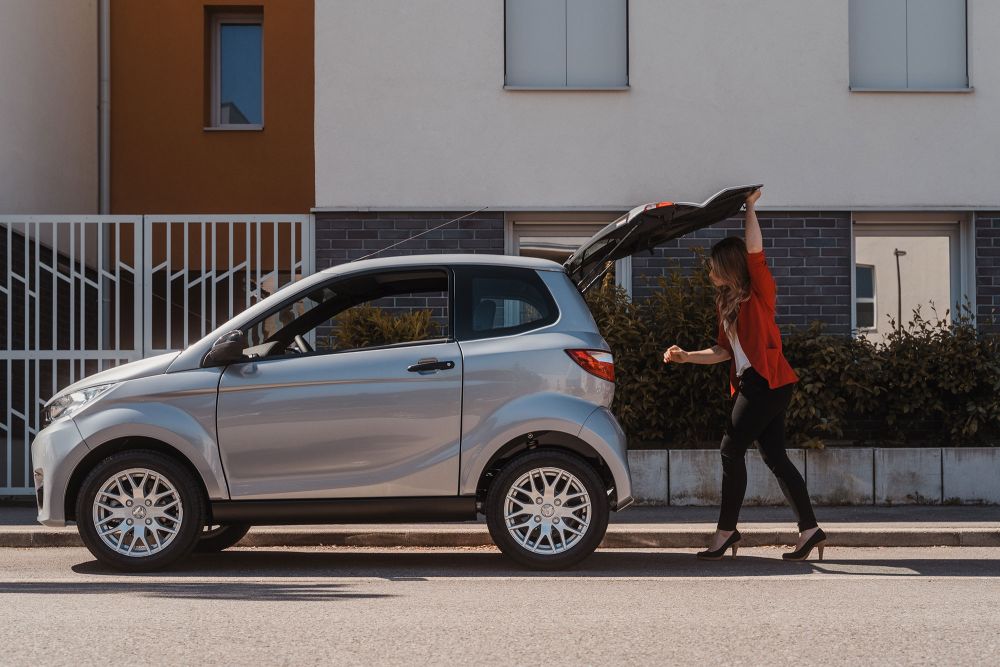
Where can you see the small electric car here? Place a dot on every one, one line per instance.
(291, 413)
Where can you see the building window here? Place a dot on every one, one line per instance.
(864, 297)
(909, 261)
(237, 75)
(908, 45)
(556, 236)
(567, 44)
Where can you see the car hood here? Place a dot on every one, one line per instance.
(130, 371)
(647, 226)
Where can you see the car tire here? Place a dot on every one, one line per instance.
(220, 537)
(140, 490)
(562, 524)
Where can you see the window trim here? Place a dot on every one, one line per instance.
(872, 300)
(960, 225)
(619, 88)
(299, 295)
(968, 88)
(215, 82)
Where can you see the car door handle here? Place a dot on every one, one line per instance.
(431, 366)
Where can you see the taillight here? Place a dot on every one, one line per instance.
(595, 362)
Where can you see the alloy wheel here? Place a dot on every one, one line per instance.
(547, 510)
(137, 512)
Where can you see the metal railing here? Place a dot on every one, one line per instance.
(81, 294)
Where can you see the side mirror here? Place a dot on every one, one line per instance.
(227, 349)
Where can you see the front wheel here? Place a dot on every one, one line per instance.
(547, 510)
(140, 510)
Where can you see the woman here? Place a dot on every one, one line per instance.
(761, 381)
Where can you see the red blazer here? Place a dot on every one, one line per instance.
(757, 330)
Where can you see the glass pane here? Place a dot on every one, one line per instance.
(240, 74)
(864, 282)
(866, 315)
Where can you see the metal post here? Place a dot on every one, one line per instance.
(899, 290)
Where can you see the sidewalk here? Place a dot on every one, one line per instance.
(637, 527)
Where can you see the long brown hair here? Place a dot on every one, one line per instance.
(729, 264)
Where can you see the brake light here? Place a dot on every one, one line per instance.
(595, 362)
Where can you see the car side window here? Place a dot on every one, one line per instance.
(500, 301)
(356, 312)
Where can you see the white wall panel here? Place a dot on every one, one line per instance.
(48, 106)
(411, 112)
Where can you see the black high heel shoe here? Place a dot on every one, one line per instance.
(732, 541)
(817, 539)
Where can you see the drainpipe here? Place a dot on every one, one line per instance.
(104, 107)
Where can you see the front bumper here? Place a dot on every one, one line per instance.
(55, 453)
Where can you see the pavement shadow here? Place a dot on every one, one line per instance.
(410, 566)
(246, 591)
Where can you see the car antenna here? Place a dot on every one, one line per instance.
(426, 231)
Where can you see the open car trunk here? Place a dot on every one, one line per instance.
(647, 226)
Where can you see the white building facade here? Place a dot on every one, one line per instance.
(858, 117)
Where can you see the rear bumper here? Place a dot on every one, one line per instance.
(55, 453)
(602, 432)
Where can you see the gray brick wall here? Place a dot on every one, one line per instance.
(341, 237)
(809, 255)
(988, 270)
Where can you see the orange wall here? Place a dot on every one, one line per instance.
(162, 158)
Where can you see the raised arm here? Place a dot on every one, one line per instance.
(751, 232)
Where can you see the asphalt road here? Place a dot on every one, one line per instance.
(398, 606)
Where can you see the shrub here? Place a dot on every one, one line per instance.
(367, 325)
(942, 377)
(931, 382)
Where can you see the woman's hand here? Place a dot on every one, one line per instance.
(753, 197)
(675, 354)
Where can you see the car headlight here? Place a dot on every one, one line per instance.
(70, 404)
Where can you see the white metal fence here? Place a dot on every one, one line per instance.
(80, 294)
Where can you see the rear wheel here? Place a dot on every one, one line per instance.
(220, 537)
(547, 510)
(140, 510)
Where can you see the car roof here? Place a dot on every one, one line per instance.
(467, 259)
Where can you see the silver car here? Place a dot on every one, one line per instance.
(302, 411)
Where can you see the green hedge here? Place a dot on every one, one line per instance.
(931, 383)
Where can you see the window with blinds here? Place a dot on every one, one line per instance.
(566, 44)
(908, 45)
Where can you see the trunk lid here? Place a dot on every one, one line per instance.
(647, 226)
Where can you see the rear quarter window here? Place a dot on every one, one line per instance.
(496, 301)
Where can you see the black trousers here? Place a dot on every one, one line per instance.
(759, 414)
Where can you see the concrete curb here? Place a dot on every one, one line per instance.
(618, 537)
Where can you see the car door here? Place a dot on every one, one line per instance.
(647, 226)
(363, 422)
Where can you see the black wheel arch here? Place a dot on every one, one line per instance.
(115, 446)
(542, 440)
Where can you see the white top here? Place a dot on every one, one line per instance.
(739, 356)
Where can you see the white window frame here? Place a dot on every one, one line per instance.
(216, 69)
(968, 88)
(872, 300)
(960, 226)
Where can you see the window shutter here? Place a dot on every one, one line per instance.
(936, 44)
(596, 43)
(536, 43)
(878, 43)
